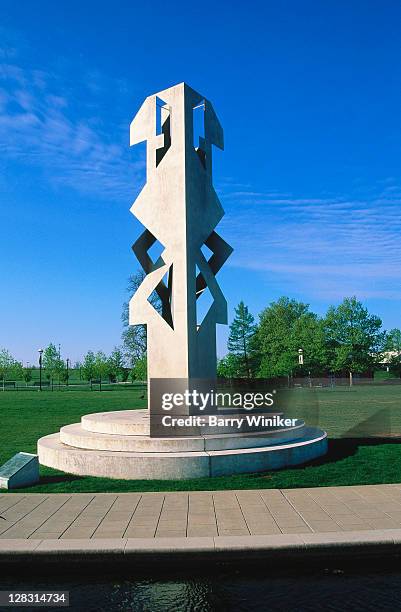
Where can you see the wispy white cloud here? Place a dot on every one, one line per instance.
(39, 125)
(324, 247)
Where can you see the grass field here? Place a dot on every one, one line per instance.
(363, 422)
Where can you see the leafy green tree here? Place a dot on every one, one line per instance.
(101, 365)
(116, 363)
(241, 341)
(51, 362)
(140, 370)
(309, 335)
(393, 348)
(354, 337)
(17, 371)
(228, 367)
(78, 368)
(285, 327)
(61, 370)
(88, 367)
(125, 375)
(64, 375)
(134, 336)
(6, 363)
(10, 368)
(27, 375)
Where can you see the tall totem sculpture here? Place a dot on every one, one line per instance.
(179, 208)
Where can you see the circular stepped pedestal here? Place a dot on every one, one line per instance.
(118, 445)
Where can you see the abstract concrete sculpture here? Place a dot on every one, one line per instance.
(179, 210)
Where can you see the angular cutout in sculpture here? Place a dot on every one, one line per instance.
(163, 126)
(160, 105)
(200, 283)
(206, 252)
(155, 251)
(220, 250)
(164, 290)
(203, 305)
(198, 118)
(143, 246)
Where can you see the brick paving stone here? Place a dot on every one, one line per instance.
(200, 514)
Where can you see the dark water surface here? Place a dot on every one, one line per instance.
(252, 590)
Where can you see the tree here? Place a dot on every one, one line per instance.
(101, 365)
(10, 368)
(116, 363)
(241, 341)
(77, 367)
(88, 367)
(6, 363)
(308, 334)
(285, 327)
(134, 336)
(140, 370)
(393, 348)
(354, 337)
(16, 371)
(27, 375)
(51, 362)
(64, 375)
(228, 367)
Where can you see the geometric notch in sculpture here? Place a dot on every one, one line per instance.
(221, 252)
(163, 289)
(163, 127)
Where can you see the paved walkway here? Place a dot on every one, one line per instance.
(267, 512)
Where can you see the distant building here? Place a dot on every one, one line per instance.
(387, 358)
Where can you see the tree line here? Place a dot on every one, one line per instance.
(94, 366)
(348, 340)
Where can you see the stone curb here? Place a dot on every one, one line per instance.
(291, 547)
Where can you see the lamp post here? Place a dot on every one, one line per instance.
(58, 366)
(68, 364)
(40, 351)
(300, 358)
(350, 370)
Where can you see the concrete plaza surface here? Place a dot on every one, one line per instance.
(267, 522)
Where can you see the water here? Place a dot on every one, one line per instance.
(226, 590)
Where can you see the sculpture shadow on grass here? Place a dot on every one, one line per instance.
(57, 478)
(372, 431)
(342, 448)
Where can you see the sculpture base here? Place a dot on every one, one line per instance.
(118, 445)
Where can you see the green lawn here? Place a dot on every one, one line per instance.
(349, 415)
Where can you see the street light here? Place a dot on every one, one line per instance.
(40, 351)
(68, 363)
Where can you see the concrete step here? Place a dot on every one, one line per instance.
(182, 465)
(119, 422)
(76, 435)
(137, 423)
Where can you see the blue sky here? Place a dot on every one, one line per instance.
(309, 97)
